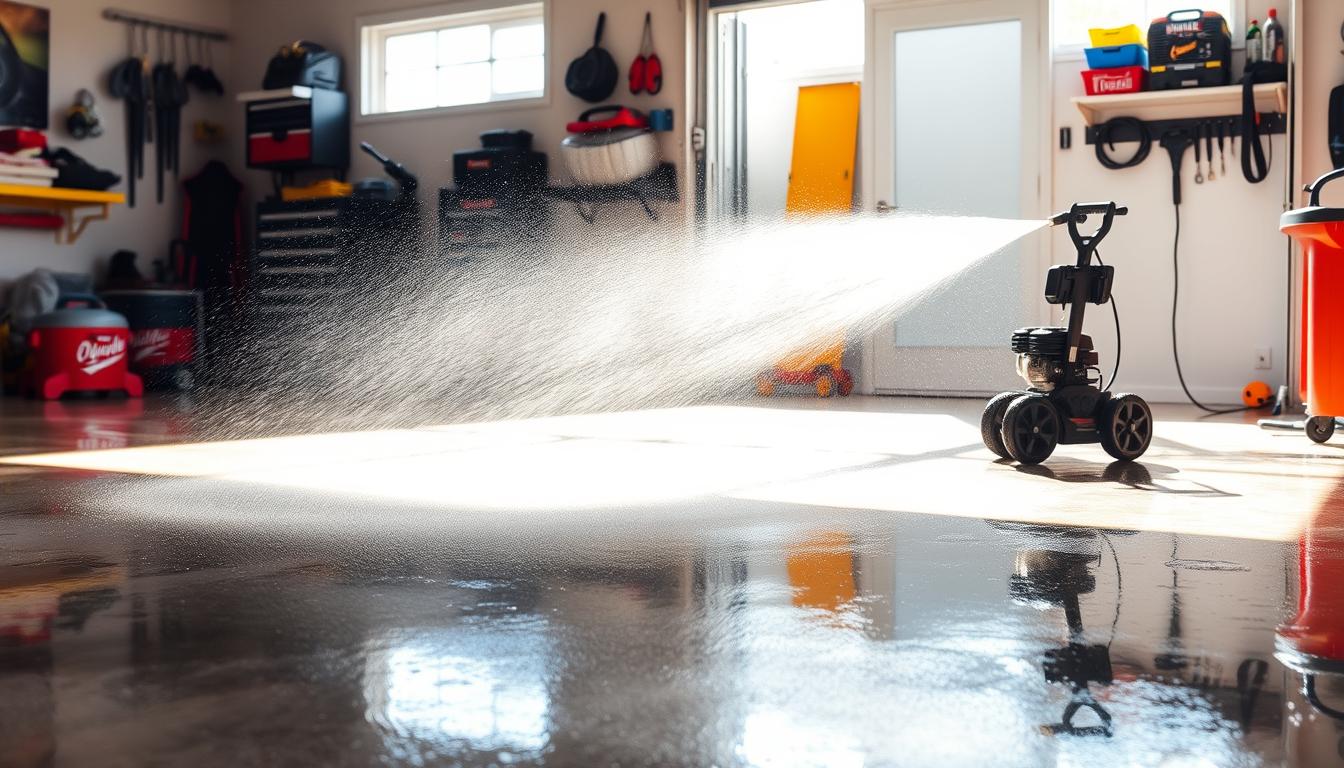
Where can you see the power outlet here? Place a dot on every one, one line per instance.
(1262, 359)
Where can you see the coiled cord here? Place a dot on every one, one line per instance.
(1104, 132)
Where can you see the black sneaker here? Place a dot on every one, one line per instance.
(76, 173)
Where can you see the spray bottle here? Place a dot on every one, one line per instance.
(1255, 50)
(1275, 50)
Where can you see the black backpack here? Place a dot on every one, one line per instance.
(592, 77)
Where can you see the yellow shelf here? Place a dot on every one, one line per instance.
(77, 207)
(1180, 103)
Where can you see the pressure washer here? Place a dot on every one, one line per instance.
(1064, 402)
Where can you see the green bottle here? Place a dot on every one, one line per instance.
(1255, 50)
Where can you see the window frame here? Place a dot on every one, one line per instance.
(1074, 52)
(373, 30)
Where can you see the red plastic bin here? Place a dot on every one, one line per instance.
(1320, 232)
(1101, 82)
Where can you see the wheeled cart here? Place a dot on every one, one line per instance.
(1320, 232)
(1064, 402)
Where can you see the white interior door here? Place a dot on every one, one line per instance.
(959, 126)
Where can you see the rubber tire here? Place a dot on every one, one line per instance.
(1320, 428)
(991, 422)
(1037, 446)
(846, 382)
(826, 385)
(1113, 438)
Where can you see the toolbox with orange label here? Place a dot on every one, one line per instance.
(1189, 49)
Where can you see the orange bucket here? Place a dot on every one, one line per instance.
(1320, 232)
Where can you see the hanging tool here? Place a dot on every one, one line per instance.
(127, 82)
(1199, 166)
(1222, 157)
(1207, 130)
(646, 71)
(1176, 141)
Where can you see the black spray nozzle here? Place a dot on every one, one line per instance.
(1078, 212)
(1176, 141)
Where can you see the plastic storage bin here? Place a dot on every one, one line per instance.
(1099, 82)
(1320, 232)
(1132, 55)
(1126, 35)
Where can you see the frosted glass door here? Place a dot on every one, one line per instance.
(958, 134)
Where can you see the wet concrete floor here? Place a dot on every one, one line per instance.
(663, 589)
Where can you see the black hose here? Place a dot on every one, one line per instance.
(1115, 310)
(1175, 302)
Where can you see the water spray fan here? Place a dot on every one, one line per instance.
(1064, 402)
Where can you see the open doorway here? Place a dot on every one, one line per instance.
(760, 57)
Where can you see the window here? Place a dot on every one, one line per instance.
(1072, 18)
(452, 60)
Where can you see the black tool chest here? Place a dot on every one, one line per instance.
(298, 259)
(298, 128)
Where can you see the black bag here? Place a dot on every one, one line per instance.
(592, 77)
(303, 63)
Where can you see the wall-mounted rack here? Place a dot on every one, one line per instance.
(167, 25)
(1160, 111)
(77, 208)
(659, 185)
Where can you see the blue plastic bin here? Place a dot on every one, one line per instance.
(1117, 56)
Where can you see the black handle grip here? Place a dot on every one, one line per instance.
(371, 151)
(1199, 13)
(601, 24)
(1315, 187)
(588, 113)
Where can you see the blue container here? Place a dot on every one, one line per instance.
(1117, 56)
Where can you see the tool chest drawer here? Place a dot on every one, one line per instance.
(298, 128)
(471, 226)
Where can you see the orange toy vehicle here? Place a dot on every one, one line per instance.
(819, 367)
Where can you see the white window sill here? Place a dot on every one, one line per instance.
(536, 102)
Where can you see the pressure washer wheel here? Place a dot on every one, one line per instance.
(991, 422)
(1126, 427)
(1031, 428)
(1320, 428)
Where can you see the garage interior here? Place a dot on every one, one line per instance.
(829, 382)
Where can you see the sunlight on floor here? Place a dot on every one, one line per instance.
(1201, 478)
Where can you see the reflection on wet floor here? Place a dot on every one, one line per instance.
(213, 624)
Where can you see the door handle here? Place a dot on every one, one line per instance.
(884, 207)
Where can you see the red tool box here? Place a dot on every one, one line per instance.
(1099, 82)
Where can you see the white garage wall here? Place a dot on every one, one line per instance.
(84, 47)
(1234, 270)
(425, 144)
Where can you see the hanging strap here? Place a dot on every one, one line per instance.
(1253, 164)
(601, 23)
(646, 44)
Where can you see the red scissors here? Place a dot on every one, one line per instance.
(646, 73)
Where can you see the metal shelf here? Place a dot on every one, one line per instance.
(76, 207)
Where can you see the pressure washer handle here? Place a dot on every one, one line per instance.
(392, 168)
(1315, 187)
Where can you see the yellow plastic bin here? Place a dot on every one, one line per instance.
(1129, 34)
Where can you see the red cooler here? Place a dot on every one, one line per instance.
(80, 346)
(1320, 232)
